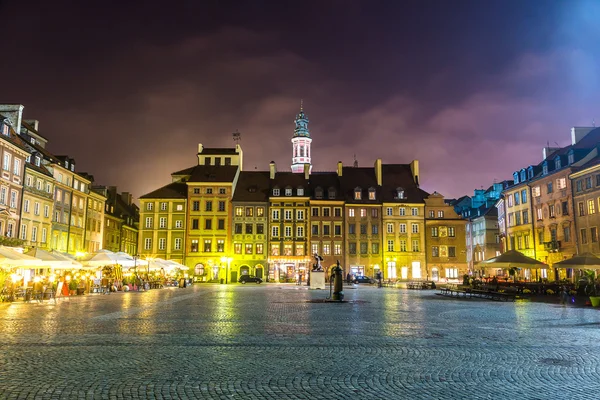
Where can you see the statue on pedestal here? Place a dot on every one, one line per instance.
(317, 266)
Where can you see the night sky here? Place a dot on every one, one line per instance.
(473, 89)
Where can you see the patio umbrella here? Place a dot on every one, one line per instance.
(513, 259)
(53, 259)
(580, 261)
(13, 258)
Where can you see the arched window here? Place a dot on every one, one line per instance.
(199, 269)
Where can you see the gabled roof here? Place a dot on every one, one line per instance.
(175, 190)
(252, 186)
(359, 177)
(291, 179)
(12, 137)
(187, 171)
(325, 181)
(213, 173)
(41, 169)
(400, 176)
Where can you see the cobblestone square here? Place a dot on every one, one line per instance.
(270, 342)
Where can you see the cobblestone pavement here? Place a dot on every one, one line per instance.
(270, 342)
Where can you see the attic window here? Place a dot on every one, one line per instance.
(399, 193)
(318, 193)
(557, 163)
(331, 193)
(571, 157)
(288, 191)
(72, 167)
(5, 129)
(276, 192)
(66, 164)
(545, 168)
(300, 191)
(516, 178)
(32, 140)
(522, 175)
(530, 172)
(371, 193)
(357, 193)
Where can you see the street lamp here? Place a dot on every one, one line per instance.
(228, 261)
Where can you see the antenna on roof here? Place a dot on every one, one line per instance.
(594, 122)
(355, 162)
(237, 136)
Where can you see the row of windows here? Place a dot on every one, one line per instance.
(209, 190)
(39, 184)
(249, 211)
(208, 246)
(443, 251)
(442, 231)
(260, 228)
(551, 211)
(162, 223)
(289, 191)
(16, 165)
(326, 229)
(34, 233)
(287, 215)
(325, 249)
(536, 191)
(14, 195)
(586, 182)
(208, 224)
(249, 248)
(518, 198)
(208, 205)
(391, 246)
(162, 244)
(36, 208)
(401, 228)
(287, 231)
(163, 206)
(389, 211)
(593, 235)
(288, 249)
(591, 207)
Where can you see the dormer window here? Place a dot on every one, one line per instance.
(571, 157)
(276, 192)
(399, 193)
(331, 193)
(516, 178)
(557, 163)
(318, 193)
(300, 191)
(523, 175)
(72, 167)
(32, 140)
(37, 161)
(530, 172)
(371, 193)
(5, 129)
(545, 168)
(288, 191)
(357, 193)
(66, 164)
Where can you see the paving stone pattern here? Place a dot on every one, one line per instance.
(271, 342)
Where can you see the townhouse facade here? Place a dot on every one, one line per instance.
(446, 245)
(585, 184)
(250, 223)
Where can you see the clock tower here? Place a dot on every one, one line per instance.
(301, 143)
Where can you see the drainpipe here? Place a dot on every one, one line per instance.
(69, 221)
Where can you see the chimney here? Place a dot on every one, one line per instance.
(200, 148)
(14, 112)
(378, 171)
(414, 168)
(306, 171)
(272, 170)
(35, 124)
(127, 198)
(577, 132)
(339, 168)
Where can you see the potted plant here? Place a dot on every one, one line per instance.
(73, 287)
(590, 287)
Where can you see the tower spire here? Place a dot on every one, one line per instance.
(301, 141)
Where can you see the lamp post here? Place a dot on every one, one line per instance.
(228, 261)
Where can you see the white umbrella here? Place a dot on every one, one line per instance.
(13, 258)
(54, 259)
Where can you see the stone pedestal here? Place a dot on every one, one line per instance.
(317, 279)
